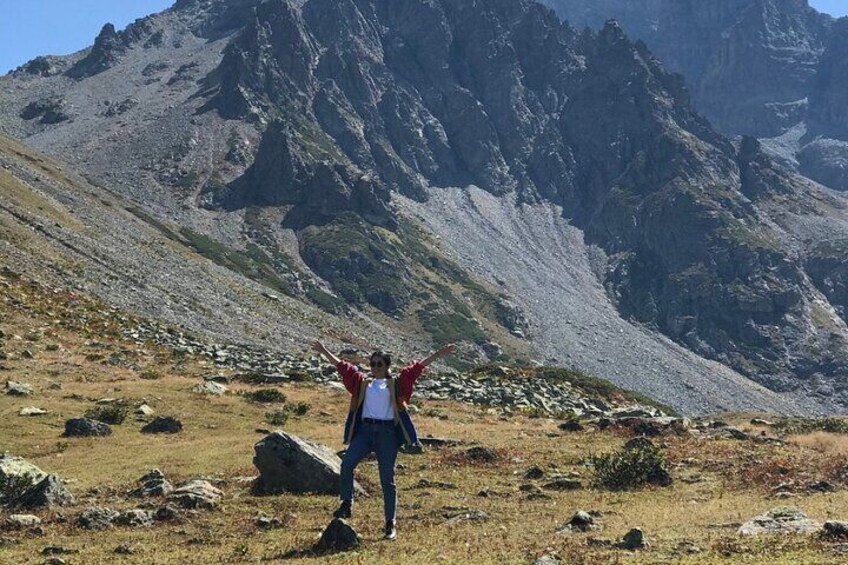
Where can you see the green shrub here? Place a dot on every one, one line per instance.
(267, 396)
(108, 414)
(630, 468)
(299, 409)
(277, 417)
(151, 375)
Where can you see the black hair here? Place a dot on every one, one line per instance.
(387, 359)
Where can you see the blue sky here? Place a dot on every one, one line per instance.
(29, 28)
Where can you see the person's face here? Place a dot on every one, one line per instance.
(378, 367)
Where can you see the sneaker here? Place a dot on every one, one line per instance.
(391, 530)
(344, 510)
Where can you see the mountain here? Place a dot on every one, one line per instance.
(464, 170)
(772, 69)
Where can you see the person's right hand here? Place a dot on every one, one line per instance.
(318, 346)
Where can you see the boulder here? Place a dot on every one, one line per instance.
(288, 463)
(47, 493)
(534, 472)
(15, 469)
(143, 411)
(338, 536)
(482, 454)
(163, 425)
(781, 520)
(196, 494)
(153, 483)
(97, 518)
(580, 522)
(85, 427)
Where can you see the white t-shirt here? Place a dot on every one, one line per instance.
(378, 401)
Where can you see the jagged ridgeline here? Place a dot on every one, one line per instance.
(363, 99)
(323, 118)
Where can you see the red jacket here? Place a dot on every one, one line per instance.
(352, 377)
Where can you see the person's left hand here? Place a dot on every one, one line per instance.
(446, 350)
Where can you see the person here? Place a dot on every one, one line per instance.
(377, 421)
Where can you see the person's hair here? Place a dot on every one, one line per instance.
(387, 359)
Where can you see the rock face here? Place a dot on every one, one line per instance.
(163, 425)
(15, 469)
(288, 463)
(153, 483)
(196, 494)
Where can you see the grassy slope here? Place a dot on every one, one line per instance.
(718, 483)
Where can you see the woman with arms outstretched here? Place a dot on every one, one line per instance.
(377, 421)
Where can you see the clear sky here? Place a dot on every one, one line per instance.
(29, 28)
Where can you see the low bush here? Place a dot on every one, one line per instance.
(631, 468)
(108, 413)
(267, 396)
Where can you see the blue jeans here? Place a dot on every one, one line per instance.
(383, 441)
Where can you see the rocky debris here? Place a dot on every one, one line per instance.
(457, 516)
(18, 389)
(209, 387)
(581, 522)
(47, 493)
(571, 425)
(32, 411)
(153, 483)
(85, 427)
(782, 520)
(167, 513)
(122, 107)
(431, 441)
(338, 536)
(196, 494)
(163, 425)
(135, 518)
(288, 463)
(21, 521)
(97, 518)
(633, 540)
(834, 530)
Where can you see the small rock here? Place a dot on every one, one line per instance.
(783, 520)
(834, 530)
(163, 425)
(22, 521)
(430, 441)
(196, 494)
(85, 427)
(571, 426)
(54, 561)
(533, 473)
(136, 518)
(144, 410)
(426, 483)
(18, 389)
(124, 549)
(268, 522)
(633, 540)
(97, 518)
(761, 422)
(548, 559)
(338, 536)
(821, 486)
(467, 516)
(152, 484)
(580, 522)
(209, 387)
(563, 483)
(32, 411)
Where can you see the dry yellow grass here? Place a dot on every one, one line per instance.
(710, 496)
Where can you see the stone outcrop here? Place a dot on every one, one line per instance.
(779, 521)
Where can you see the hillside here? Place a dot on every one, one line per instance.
(496, 485)
(315, 148)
